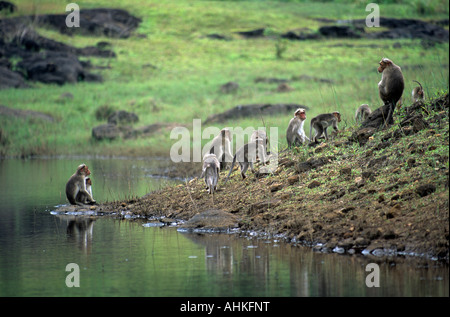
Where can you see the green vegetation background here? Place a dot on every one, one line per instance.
(169, 72)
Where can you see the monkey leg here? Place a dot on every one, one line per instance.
(389, 119)
(244, 167)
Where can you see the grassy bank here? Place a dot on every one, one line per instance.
(388, 197)
(169, 72)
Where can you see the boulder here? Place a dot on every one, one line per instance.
(123, 117)
(11, 79)
(253, 110)
(18, 113)
(106, 131)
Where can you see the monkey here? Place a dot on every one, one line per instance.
(211, 170)
(260, 136)
(295, 135)
(321, 123)
(221, 147)
(82, 198)
(362, 113)
(246, 156)
(417, 93)
(390, 87)
(77, 184)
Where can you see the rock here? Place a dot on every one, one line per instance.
(321, 147)
(230, 87)
(11, 79)
(359, 182)
(284, 87)
(389, 234)
(300, 36)
(6, 6)
(426, 189)
(253, 110)
(211, 221)
(362, 135)
(116, 23)
(383, 160)
(346, 171)
(55, 68)
(292, 179)
(341, 31)
(123, 117)
(377, 118)
(252, 33)
(275, 187)
(314, 184)
(311, 163)
(25, 114)
(216, 36)
(262, 206)
(106, 131)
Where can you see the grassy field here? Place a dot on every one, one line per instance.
(169, 72)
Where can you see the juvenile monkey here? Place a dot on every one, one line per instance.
(77, 184)
(362, 113)
(221, 147)
(211, 170)
(82, 198)
(246, 156)
(321, 123)
(417, 93)
(260, 136)
(391, 86)
(295, 135)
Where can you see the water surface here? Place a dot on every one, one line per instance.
(125, 258)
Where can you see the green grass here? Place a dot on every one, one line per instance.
(173, 75)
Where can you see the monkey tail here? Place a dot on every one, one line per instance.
(419, 84)
(231, 168)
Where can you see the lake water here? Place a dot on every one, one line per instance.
(125, 258)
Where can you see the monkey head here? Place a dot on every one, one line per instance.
(83, 170)
(227, 134)
(301, 113)
(88, 181)
(337, 115)
(385, 62)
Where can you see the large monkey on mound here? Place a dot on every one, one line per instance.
(390, 87)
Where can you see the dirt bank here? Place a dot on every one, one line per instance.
(387, 196)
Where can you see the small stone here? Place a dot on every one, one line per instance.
(314, 184)
(293, 179)
(275, 187)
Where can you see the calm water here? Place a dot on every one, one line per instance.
(125, 258)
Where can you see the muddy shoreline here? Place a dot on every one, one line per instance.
(386, 196)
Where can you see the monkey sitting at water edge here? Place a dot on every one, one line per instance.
(82, 198)
(76, 187)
